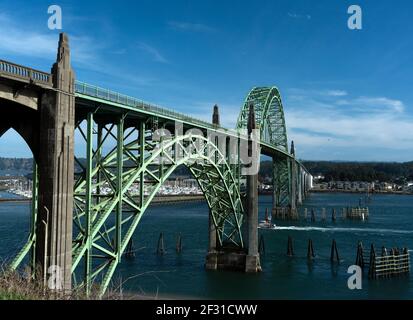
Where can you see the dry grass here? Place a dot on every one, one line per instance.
(22, 286)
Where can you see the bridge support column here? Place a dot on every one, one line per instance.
(212, 256)
(293, 182)
(300, 187)
(252, 263)
(56, 173)
(305, 182)
(275, 195)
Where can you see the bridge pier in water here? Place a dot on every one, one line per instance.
(252, 263)
(233, 258)
(293, 181)
(291, 184)
(211, 260)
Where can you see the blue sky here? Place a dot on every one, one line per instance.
(347, 94)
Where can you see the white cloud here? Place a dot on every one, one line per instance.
(380, 130)
(153, 52)
(372, 104)
(391, 104)
(323, 129)
(24, 42)
(306, 93)
(336, 93)
(361, 123)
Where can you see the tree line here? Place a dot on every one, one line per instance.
(331, 170)
(354, 171)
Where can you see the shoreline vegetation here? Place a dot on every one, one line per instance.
(21, 285)
(16, 285)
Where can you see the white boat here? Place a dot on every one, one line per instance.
(266, 224)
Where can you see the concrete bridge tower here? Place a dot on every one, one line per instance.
(212, 256)
(56, 170)
(252, 263)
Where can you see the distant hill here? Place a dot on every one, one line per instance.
(331, 170)
(15, 166)
(355, 171)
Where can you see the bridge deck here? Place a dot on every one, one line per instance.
(94, 93)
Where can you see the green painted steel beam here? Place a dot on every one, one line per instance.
(227, 213)
(88, 202)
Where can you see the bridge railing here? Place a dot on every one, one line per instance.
(115, 97)
(24, 73)
(105, 94)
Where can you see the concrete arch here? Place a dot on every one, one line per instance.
(23, 96)
(23, 119)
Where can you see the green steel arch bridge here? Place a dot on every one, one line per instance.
(86, 209)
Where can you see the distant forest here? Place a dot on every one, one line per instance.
(331, 170)
(355, 171)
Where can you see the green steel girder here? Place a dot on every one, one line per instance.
(270, 120)
(282, 184)
(107, 213)
(269, 115)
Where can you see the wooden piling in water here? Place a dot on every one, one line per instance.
(161, 246)
(357, 213)
(334, 215)
(266, 215)
(290, 247)
(384, 254)
(305, 213)
(285, 213)
(312, 215)
(323, 214)
(179, 243)
(360, 255)
(310, 250)
(334, 257)
(372, 264)
(261, 246)
(390, 264)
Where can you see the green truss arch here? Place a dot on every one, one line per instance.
(269, 113)
(107, 212)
